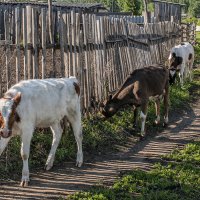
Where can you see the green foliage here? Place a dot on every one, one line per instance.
(170, 182)
(191, 20)
(194, 8)
(133, 6)
(189, 155)
(197, 48)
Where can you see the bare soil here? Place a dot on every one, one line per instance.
(65, 178)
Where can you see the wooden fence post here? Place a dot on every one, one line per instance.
(35, 43)
(51, 34)
(61, 37)
(25, 43)
(7, 39)
(18, 33)
(44, 39)
(29, 41)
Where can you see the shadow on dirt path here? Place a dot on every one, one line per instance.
(62, 180)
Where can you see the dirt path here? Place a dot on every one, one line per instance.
(184, 127)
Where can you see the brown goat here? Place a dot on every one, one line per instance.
(142, 85)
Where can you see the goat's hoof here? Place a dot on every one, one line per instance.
(48, 167)
(24, 183)
(135, 128)
(165, 125)
(156, 122)
(142, 135)
(78, 164)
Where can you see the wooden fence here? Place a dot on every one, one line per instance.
(164, 11)
(100, 50)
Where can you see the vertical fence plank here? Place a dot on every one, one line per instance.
(61, 37)
(25, 43)
(18, 32)
(44, 39)
(29, 40)
(86, 52)
(65, 43)
(8, 53)
(69, 33)
(77, 47)
(35, 43)
(73, 35)
(51, 17)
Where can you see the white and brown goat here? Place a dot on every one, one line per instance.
(40, 103)
(142, 85)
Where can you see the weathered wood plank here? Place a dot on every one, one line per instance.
(35, 42)
(25, 43)
(44, 39)
(8, 53)
(29, 40)
(61, 37)
(18, 33)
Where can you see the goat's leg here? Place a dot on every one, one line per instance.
(143, 116)
(157, 107)
(3, 144)
(25, 151)
(186, 71)
(190, 67)
(166, 105)
(57, 133)
(75, 121)
(135, 121)
(181, 74)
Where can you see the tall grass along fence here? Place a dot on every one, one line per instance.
(99, 50)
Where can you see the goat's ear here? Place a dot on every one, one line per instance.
(167, 64)
(173, 55)
(17, 98)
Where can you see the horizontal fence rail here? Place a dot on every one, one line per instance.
(99, 50)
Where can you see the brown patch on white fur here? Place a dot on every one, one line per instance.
(1, 121)
(77, 88)
(14, 115)
(11, 118)
(190, 56)
(17, 99)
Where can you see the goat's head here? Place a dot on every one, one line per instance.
(174, 64)
(109, 107)
(175, 61)
(8, 114)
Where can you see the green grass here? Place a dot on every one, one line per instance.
(197, 36)
(197, 49)
(178, 179)
(174, 181)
